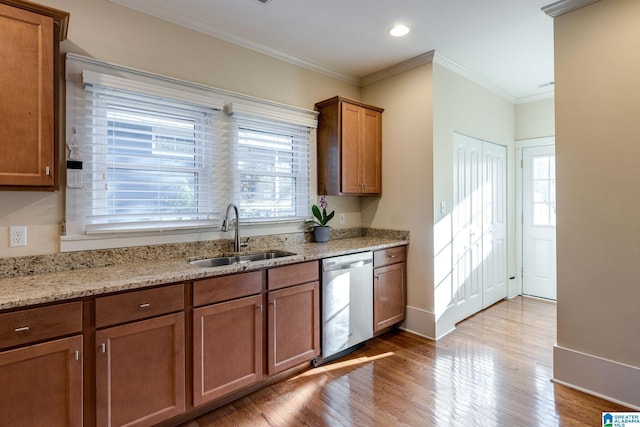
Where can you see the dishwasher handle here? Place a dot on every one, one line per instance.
(338, 266)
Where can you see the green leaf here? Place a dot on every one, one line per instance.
(328, 218)
(316, 212)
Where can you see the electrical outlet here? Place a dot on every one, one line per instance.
(17, 236)
(341, 218)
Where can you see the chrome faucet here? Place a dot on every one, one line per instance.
(226, 223)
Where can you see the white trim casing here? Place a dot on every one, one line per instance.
(523, 143)
(565, 6)
(420, 322)
(409, 64)
(187, 21)
(597, 376)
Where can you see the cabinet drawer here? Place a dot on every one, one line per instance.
(136, 305)
(225, 288)
(294, 274)
(26, 326)
(389, 256)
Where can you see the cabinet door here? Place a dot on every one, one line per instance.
(371, 152)
(26, 104)
(389, 295)
(351, 134)
(41, 385)
(294, 326)
(140, 372)
(227, 353)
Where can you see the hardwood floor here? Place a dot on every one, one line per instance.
(493, 370)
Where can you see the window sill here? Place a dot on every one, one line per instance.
(130, 238)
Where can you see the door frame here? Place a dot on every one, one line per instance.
(523, 143)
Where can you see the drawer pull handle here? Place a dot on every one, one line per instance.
(145, 305)
(22, 329)
(392, 256)
(76, 355)
(103, 348)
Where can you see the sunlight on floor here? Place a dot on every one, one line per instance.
(343, 364)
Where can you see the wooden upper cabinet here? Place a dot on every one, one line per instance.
(349, 147)
(29, 74)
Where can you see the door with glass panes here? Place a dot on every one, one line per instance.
(539, 221)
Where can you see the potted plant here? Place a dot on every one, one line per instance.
(320, 220)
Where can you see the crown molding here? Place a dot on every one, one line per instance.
(425, 58)
(470, 75)
(179, 18)
(565, 6)
(539, 97)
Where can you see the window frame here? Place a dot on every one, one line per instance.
(297, 174)
(79, 69)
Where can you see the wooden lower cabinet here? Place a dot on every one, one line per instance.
(140, 372)
(389, 295)
(227, 347)
(41, 385)
(293, 327)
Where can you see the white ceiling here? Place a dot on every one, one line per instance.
(507, 45)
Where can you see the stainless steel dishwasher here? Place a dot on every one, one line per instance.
(347, 303)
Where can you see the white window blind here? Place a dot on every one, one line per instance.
(271, 168)
(159, 154)
(148, 160)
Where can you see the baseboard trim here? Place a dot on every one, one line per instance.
(604, 378)
(420, 322)
(593, 393)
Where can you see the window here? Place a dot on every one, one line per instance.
(271, 169)
(161, 155)
(149, 160)
(544, 190)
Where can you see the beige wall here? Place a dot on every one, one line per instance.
(535, 119)
(462, 106)
(407, 179)
(597, 64)
(109, 32)
(423, 107)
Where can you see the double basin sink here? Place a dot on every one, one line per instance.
(239, 258)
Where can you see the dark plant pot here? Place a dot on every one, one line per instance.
(321, 234)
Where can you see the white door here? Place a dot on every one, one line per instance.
(467, 226)
(494, 223)
(539, 221)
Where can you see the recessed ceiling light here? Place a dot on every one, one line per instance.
(399, 30)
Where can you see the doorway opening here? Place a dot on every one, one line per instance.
(536, 228)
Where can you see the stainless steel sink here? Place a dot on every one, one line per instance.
(235, 259)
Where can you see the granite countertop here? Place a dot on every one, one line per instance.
(23, 291)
